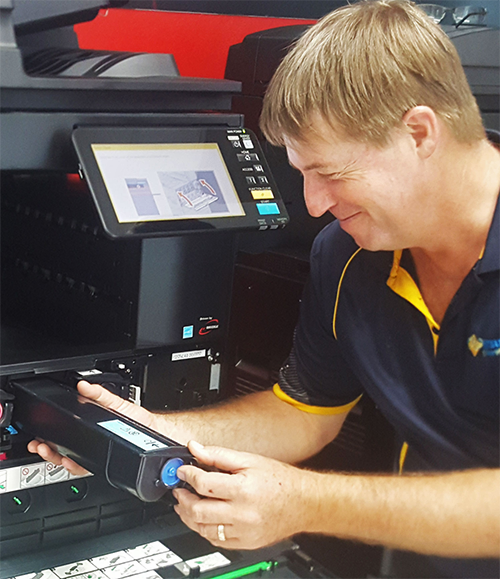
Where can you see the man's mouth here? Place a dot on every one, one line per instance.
(348, 218)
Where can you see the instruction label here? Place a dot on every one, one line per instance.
(132, 435)
(35, 474)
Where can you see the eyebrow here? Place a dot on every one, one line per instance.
(311, 167)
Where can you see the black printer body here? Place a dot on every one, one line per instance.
(123, 188)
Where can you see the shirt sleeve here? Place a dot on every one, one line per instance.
(316, 377)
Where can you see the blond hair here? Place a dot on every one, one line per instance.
(361, 68)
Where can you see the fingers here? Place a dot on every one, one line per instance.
(109, 400)
(248, 500)
(217, 485)
(218, 537)
(221, 485)
(44, 450)
(49, 454)
(102, 396)
(198, 514)
(201, 510)
(213, 534)
(221, 458)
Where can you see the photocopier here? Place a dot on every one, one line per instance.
(124, 187)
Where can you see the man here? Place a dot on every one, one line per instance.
(374, 110)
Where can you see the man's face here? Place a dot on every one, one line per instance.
(373, 192)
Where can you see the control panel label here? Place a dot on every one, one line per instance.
(132, 435)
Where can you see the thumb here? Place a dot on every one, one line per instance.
(220, 458)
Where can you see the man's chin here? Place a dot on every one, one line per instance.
(371, 243)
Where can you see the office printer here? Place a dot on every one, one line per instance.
(121, 201)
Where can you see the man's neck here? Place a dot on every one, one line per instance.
(443, 262)
(466, 199)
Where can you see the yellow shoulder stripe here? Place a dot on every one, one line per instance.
(326, 410)
(402, 456)
(338, 292)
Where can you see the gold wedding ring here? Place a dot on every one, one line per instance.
(220, 533)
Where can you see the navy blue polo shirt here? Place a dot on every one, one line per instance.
(364, 327)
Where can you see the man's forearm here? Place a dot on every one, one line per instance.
(450, 515)
(258, 423)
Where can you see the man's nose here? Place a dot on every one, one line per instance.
(317, 197)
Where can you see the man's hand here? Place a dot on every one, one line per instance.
(105, 398)
(259, 501)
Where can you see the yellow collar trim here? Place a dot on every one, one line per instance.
(401, 282)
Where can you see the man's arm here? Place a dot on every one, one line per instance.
(451, 515)
(260, 501)
(259, 423)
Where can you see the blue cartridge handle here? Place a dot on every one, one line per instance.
(169, 472)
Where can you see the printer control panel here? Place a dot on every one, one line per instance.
(258, 180)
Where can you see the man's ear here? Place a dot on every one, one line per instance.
(424, 127)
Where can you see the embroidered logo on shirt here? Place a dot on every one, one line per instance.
(486, 347)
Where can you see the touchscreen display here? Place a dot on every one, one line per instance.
(158, 182)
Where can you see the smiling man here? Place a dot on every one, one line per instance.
(374, 110)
